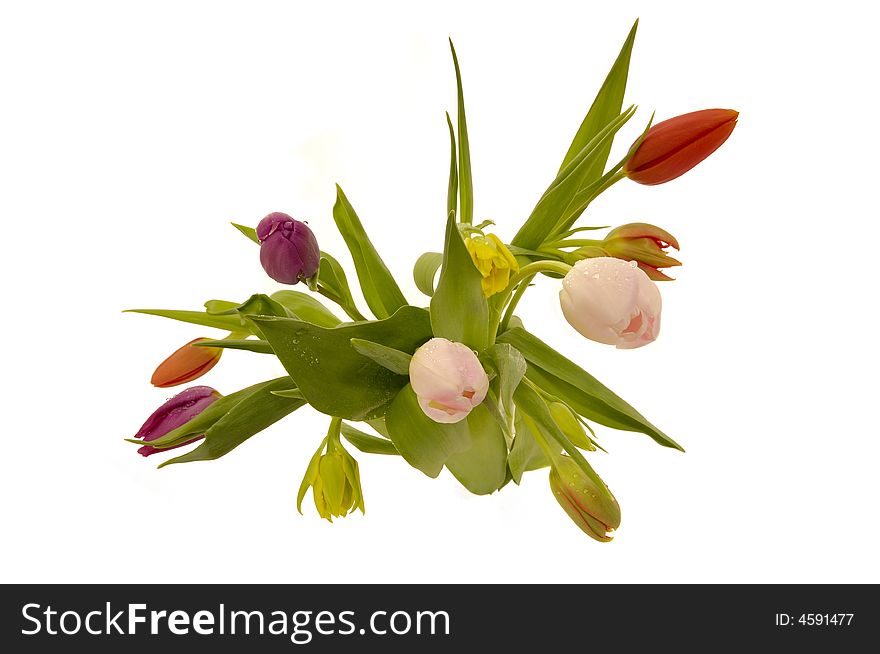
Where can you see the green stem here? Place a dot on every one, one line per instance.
(517, 296)
(333, 434)
(350, 310)
(573, 243)
(529, 270)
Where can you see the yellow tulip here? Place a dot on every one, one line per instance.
(493, 260)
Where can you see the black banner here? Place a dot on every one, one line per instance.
(320, 618)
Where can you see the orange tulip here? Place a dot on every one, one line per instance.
(186, 364)
(673, 147)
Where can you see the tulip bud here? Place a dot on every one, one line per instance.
(611, 301)
(494, 261)
(674, 146)
(587, 502)
(335, 481)
(187, 363)
(644, 244)
(448, 380)
(175, 413)
(289, 250)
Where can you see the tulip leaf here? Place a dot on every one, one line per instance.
(423, 443)
(290, 393)
(510, 366)
(250, 344)
(571, 179)
(387, 357)
(482, 468)
(250, 232)
(425, 271)
(381, 292)
(331, 275)
(306, 308)
(230, 323)
(260, 304)
(459, 311)
(220, 306)
(466, 186)
(605, 107)
(555, 374)
(526, 454)
(379, 425)
(452, 193)
(367, 442)
(249, 416)
(335, 378)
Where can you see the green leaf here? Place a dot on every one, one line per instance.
(423, 443)
(367, 442)
(605, 107)
(331, 275)
(466, 186)
(459, 311)
(250, 232)
(250, 416)
(290, 393)
(557, 198)
(425, 270)
(387, 357)
(306, 308)
(379, 425)
(228, 323)
(251, 345)
(260, 304)
(452, 193)
(333, 377)
(220, 306)
(482, 468)
(510, 366)
(555, 374)
(526, 454)
(381, 292)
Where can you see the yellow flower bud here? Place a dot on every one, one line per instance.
(494, 261)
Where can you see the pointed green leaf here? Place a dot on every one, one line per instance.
(482, 468)
(425, 271)
(306, 308)
(381, 292)
(248, 417)
(250, 232)
(452, 193)
(387, 357)
(510, 366)
(331, 275)
(220, 306)
(466, 186)
(331, 374)
(459, 311)
(367, 442)
(557, 375)
(423, 443)
(228, 323)
(249, 344)
(290, 394)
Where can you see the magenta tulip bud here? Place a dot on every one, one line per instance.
(289, 250)
(175, 413)
(448, 380)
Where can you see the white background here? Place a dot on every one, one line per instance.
(132, 133)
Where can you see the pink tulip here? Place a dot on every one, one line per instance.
(448, 380)
(611, 301)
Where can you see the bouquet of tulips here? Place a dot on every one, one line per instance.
(459, 383)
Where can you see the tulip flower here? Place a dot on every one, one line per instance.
(187, 363)
(335, 481)
(289, 250)
(448, 380)
(611, 301)
(646, 245)
(494, 261)
(175, 413)
(587, 502)
(674, 146)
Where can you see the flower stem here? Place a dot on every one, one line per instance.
(527, 271)
(350, 310)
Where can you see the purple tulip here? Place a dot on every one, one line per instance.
(176, 412)
(289, 250)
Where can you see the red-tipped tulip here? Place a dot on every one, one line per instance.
(188, 363)
(175, 413)
(646, 245)
(673, 147)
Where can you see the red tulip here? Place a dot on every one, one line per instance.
(186, 364)
(673, 147)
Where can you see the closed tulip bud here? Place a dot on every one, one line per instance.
(494, 261)
(335, 482)
(175, 413)
(611, 301)
(646, 245)
(289, 250)
(674, 146)
(188, 363)
(587, 502)
(448, 380)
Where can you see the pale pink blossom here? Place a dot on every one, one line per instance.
(448, 380)
(611, 301)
